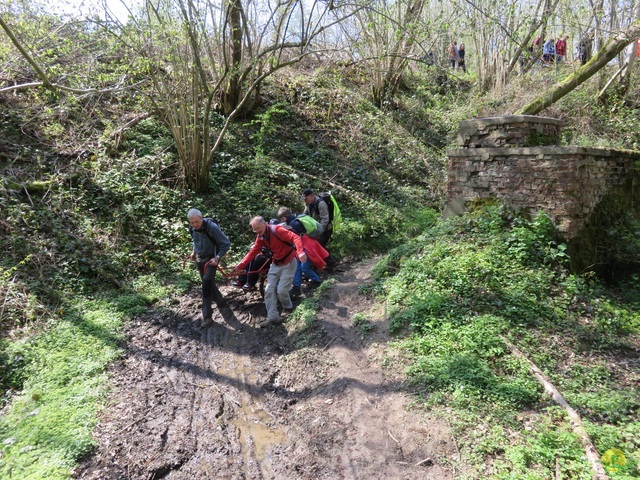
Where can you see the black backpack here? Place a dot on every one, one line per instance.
(326, 197)
(335, 216)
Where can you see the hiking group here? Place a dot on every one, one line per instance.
(555, 51)
(290, 248)
(456, 56)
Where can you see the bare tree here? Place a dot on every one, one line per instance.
(208, 61)
(384, 37)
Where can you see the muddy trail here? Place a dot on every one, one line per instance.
(234, 401)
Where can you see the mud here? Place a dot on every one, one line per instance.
(234, 401)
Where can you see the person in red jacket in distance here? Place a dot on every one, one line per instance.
(285, 246)
(561, 48)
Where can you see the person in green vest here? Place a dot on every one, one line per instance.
(318, 209)
(305, 226)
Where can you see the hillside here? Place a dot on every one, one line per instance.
(101, 347)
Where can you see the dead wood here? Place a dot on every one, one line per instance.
(576, 421)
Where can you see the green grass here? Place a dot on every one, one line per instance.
(362, 323)
(47, 425)
(62, 380)
(468, 281)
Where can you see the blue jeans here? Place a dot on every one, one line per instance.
(305, 268)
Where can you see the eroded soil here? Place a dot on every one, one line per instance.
(234, 401)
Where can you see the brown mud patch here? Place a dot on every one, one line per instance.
(233, 401)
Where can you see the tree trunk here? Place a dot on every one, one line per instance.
(233, 92)
(576, 422)
(599, 61)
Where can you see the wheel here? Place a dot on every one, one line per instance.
(263, 284)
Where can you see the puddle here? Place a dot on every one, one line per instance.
(255, 435)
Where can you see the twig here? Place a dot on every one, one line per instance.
(576, 421)
(330, 342)
(423, 461)
(203, 385)
(394, 438)
(234, 400)
(455, 444)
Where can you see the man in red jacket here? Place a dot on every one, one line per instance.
(285, 246)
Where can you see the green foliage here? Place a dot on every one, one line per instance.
(301, 320)
(149, 137)
(360, 321)
(48, 425)
(534, 241)
(468, 281)
(111, 219)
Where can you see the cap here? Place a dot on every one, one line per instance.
(307, 192)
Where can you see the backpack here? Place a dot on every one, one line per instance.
(335, 217)
(312, 227)
(272, 229)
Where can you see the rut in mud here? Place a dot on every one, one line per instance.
(237, 402)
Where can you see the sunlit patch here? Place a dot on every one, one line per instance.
(612, 459)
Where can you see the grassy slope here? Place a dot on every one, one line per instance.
(456, 291)
(115, 224)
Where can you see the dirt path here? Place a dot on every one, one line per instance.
(237, 402)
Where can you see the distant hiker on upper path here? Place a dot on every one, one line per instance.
(461, 53)
(549, 51)
(453, 54)
(210, 244)
(285, 246)
(561, 48)
(584, 47)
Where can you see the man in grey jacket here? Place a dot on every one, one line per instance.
(317, 208)
(209, 246)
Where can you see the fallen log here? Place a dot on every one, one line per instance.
(574, 418)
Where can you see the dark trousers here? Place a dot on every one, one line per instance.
(210, 290)
(254, 265)
(324, 238)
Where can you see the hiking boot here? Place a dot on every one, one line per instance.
(248, 288)
(236, 283)
(207, 322)
(295, 292)
(313, 284)
(267, 322)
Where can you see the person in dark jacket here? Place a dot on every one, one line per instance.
(317, 208)
(315, 252)
(461, 53)
(247, 280)
(285, 247)
(210, 244)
